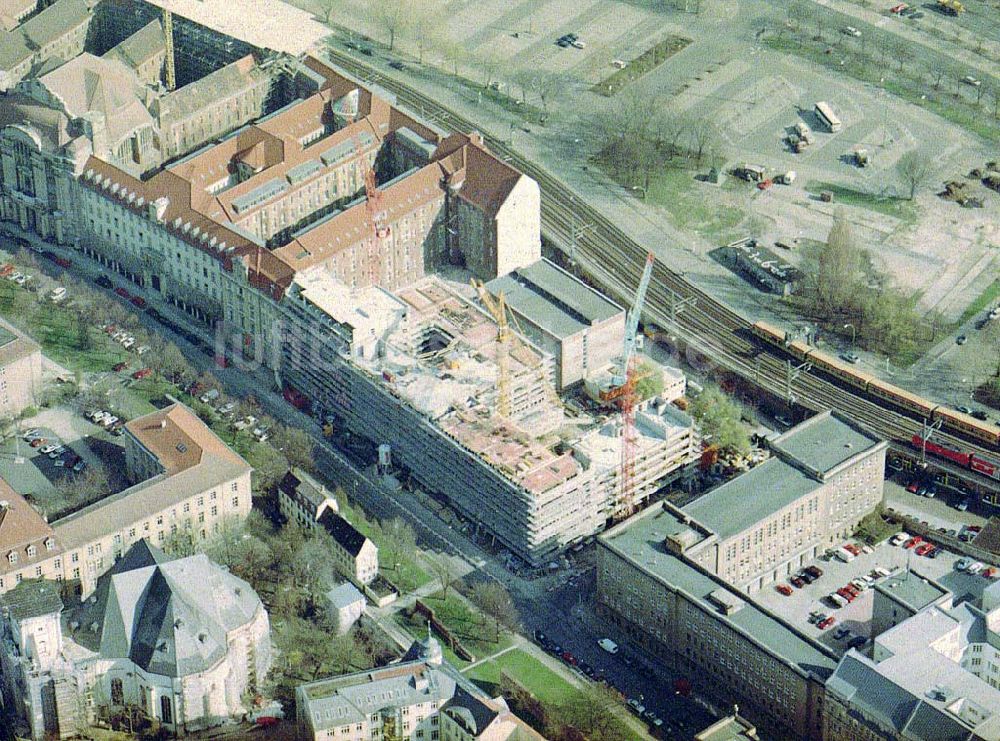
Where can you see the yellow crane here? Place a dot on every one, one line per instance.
(170, 71)
(498, 310)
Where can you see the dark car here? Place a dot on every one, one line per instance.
(980, 414)
(103, 281)
(798, 582)
(815, 571)
(63, 262)
(154, 313)
(395, 64)
(540, 636)
(123, 293)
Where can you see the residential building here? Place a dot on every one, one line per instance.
(56, 34)
(303, 500)
(934, 675)
(144, 52)
(184, 640)
(13, 12)
(678, 612)
(185, 483)
(824, 476)
(421, 697)
(20, 372)
(730, 728)
(346, 606)
(582, 329)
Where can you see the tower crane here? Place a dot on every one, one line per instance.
(623, 391)
(377, 214)
(498, 310)
(170, 72)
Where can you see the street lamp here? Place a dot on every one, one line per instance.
(854, 333)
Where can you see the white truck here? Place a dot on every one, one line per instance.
(842, 554)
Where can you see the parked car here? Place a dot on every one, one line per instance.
(923, 549)
(975, 567)
(841, 633)
(913, 487)
(142, 373)
(853, 548)
(37, 442)
(569, 658)
(118, 367)
(784, 589)
(48, 449)
(103, 281)
(962, 564)
(637, 707)
(608, 645)
(815, 571)
(138, 301)
(824, 624)
(915, 540)
(123, 293)
(79, 466)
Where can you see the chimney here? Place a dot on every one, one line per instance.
(163, 424)
(4, 505)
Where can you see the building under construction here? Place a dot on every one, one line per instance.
(313, 240)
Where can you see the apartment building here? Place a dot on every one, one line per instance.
(680, 613)
(20, 371)
(421, 698)
(144, 52)
(934, 675)
(184, 480)
(824, 476)
(303, 500)
(183, 640)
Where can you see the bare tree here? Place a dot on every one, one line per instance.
(704, 135)
(666, 130)
(494, 599)
(398, 541)
(441, 569)
(546, 86)
(395, 16)
(914, 167)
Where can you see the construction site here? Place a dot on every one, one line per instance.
(366, 257)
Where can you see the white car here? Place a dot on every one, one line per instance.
(577, 44)
(108, 421)
(48, 449)
(142, 349)
(608, 645)
(975, 568)
(851, 31)
(970, 80)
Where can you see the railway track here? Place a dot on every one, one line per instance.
(614, 261)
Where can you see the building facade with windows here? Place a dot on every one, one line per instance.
(421, 698)
(680, 613)
(20, 372)
(185, 483)
(823, 477)
(183, 640)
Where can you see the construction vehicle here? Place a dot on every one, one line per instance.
(950, 7)
(750, 173)
(860, 157)
(787, 178)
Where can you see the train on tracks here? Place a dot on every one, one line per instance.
(983, 432)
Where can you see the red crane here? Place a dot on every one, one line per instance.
(377, 215)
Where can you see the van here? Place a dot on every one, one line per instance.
(844, 555)
(837, 599)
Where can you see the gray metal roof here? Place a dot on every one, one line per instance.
(32, 598)
(57, 19)
(264, 192)
(303, 171)
(640, 541)
(911, 589)
(13, 49)
(824, 441)
(750, 497)
(344, 595)
(553, 299)
(169, 617)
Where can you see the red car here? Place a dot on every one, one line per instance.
(119, 367)
(990, 573)
(798, 582)
(569, 658)
(897, 9)
(266, 721)
(784, 589)
(923, 549)
(139, 301)
(912, 488)
(123, 293)
(38, 442)
(853, 548)
(846, 594)
(824, 624)
(62, 262)
(915, 540)
(852, 589)
(142, 373)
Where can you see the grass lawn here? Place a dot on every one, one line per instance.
(475, 630)
(56, 330)
(537, 678)
(682, 197)
(407, 575)
(900, 208)
(985, 300)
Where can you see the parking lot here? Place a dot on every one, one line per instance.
(857, 615)
(938, 511)
(40, 477)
